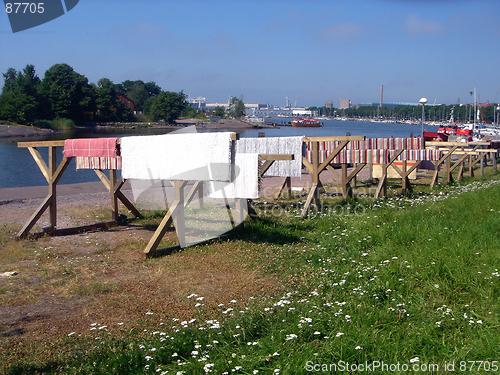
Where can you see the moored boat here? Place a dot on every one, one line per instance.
(435, 136)
(306, 123)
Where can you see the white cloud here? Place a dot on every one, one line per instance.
(416, 26)
(342, 30)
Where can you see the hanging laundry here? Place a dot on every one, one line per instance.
(94, 153)
(185, 157)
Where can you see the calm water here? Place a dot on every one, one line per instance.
(17, 167)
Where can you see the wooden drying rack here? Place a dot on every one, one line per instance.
(53, 173)
(470, 151)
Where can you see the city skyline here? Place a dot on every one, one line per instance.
(310, 52)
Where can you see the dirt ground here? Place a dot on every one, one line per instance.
(63, 284)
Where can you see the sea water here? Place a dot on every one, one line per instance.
(18, 168)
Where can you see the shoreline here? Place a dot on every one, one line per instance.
(23, 131)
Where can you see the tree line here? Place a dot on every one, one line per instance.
(461, 113)
(64, 93)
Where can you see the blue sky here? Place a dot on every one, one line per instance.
(311, 51)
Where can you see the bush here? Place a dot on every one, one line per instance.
(62, 123)
(42, 124)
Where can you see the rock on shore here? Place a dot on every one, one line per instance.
(8, 131)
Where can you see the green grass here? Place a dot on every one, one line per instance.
(57, 124)
(408, 280)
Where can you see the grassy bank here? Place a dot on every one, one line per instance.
(57, 124)
(405, 283)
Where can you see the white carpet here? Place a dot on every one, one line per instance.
(245, 180)
(187, 157)
(275, 145)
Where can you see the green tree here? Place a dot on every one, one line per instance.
(152, 88)
(219, 111)
(167, 106)
(69, 93)
(138, 92)
(236, 108)
(20, 100)
(106, 99)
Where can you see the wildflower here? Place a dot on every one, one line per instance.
(317, 333)
(358, 347)
(208, 366)
(339, 334)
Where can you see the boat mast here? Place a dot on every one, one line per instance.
(474, 109)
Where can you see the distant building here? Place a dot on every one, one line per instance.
(391, 104)
(329, 104)
(198, 102)
(344, 104)
(127, 101)
(285, 112)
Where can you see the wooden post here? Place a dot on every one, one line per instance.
(285, 186)
(461, 171)
(355, 179)
(177, 205)
(314, 192)
(52, 187)
(382, 185)
(449, 177)
(241, 207)
(114, 199)
(346, 185)
(118, 185)
(404, 178)
(180, 225)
